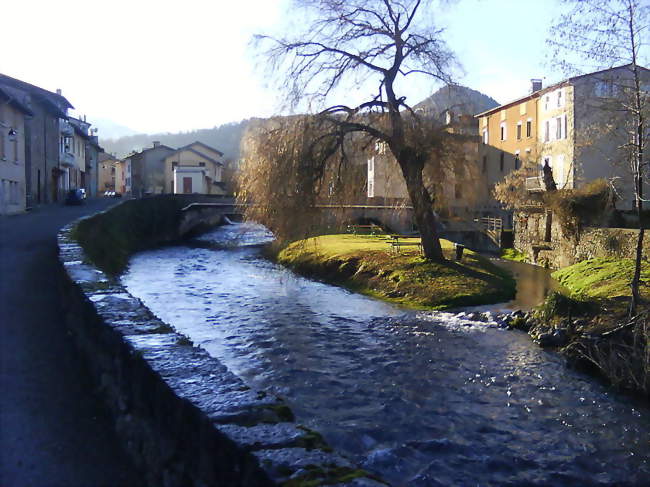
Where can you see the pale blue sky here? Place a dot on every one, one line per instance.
(169, 65)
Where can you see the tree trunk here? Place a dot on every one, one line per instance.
(422, 208)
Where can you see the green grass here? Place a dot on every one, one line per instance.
(366, 264)
(602, 278)
(513, 254)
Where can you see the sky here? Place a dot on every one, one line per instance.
(167, 66)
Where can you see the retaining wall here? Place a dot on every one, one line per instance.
(185, 419)
(545, 243)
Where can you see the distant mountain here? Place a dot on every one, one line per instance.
(111, 130)
(225, 138)
(459, 99)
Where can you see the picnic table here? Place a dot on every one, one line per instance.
(371, 228)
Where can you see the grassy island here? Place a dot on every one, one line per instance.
(367, 264)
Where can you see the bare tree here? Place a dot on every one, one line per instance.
(380, 41)
(594, 34)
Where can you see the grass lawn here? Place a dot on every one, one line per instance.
(513, 254)
(367, 265)
(603, 278)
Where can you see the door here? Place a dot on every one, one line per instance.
(187, 185)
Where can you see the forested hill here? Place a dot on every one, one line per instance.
(225, 137)
(459, 99)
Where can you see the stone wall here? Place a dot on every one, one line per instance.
(540, 236)
(184, 418)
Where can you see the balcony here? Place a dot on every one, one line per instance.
(65, 128)
(67, 159)
(535, 184)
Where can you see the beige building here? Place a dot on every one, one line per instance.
(12, 152)
(194, 168)
(107, 173)
(576, 126)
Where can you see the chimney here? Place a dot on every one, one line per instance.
(536, 84)
(58, 91)
(156, 143)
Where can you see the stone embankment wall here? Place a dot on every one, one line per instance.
(183, 416)
(542, 238)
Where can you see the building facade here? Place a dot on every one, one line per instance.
(194, 168)
(12, 153)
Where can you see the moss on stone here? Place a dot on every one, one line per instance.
(111, 237)
(312, 440)
(328, 475)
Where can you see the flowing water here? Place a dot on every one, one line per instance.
(422, 399)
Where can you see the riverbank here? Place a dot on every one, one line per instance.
(591, 326)
(366, 264)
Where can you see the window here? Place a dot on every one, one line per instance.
(201, 164)
(484, 163)
(371, 165)
(518, 130)
(547, 101)
(560, 100)
(547, 130)
(14, 145)
(371, 188)
(529, 128)
(503, 131)
(501, 161)
(485, 136)
(558, 128)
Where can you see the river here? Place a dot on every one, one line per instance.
(419, 398)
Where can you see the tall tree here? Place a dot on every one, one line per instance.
(380, 41)
(592, 35)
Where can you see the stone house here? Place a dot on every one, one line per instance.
(147, 170)
(194, 168)
(12, 152)
(43, 167)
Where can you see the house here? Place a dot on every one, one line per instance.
(43, 167)
(569, 126)
(147, 169)
(12, 151)
(194, 168)
(73, 148)
(93, 149)
(564, 136)
(107, 176)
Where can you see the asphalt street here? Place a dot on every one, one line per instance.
(54, 431)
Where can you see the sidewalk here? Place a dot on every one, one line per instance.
(53, 430)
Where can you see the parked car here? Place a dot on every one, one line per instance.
(74, 197)
(83, 193)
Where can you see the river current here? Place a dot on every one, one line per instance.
(419, 398)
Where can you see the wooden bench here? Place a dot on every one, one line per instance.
(396, 242)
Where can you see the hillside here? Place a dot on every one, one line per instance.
(225, 137)
(460, 99)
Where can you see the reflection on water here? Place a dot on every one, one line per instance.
(423, 399)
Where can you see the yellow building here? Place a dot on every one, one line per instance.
(577, 127)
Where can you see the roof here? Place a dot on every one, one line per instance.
(550, 88)
(196, 142)
(195, 152)
(15, 99)
(54, 101)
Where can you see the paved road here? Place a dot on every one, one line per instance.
(53, 430)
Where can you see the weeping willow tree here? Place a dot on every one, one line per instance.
(369, 41)
(292, 166)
